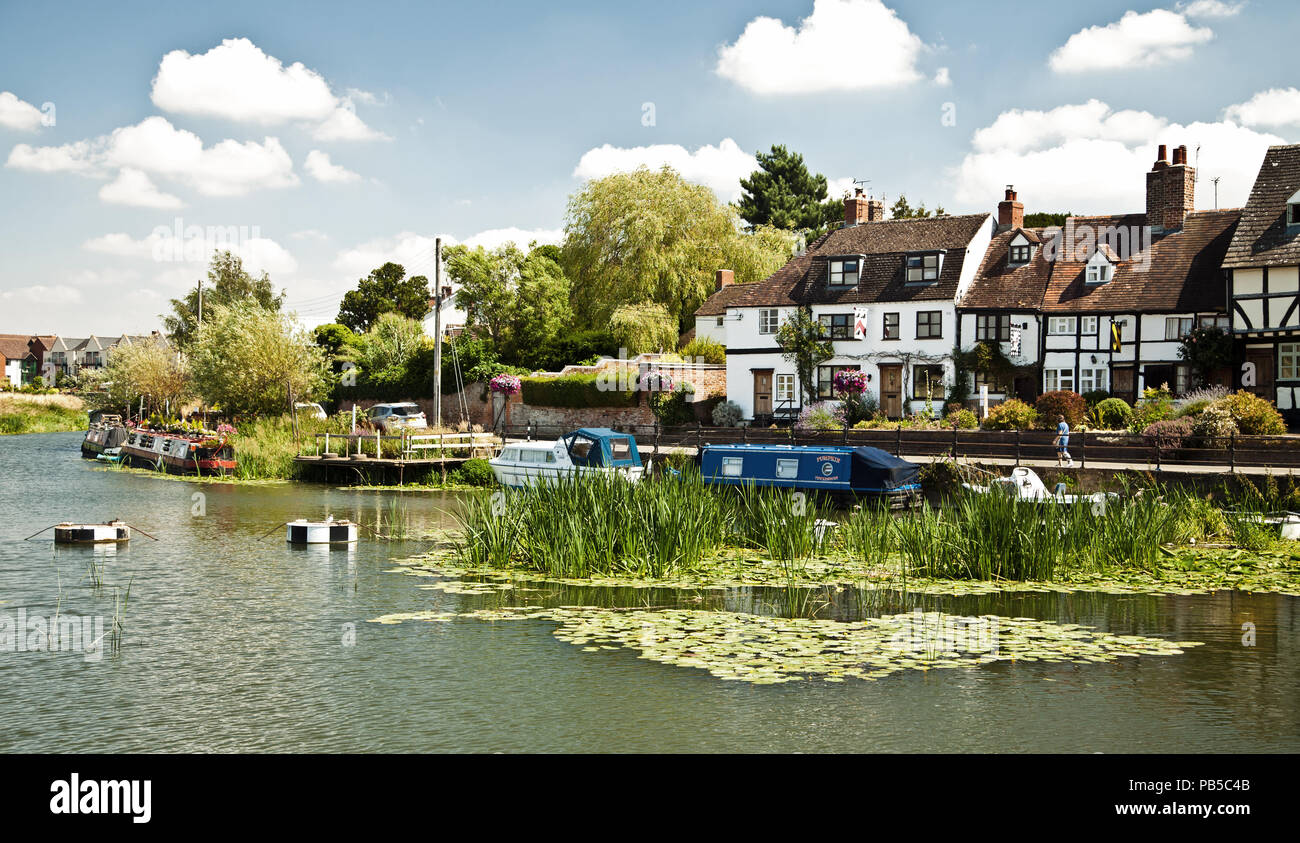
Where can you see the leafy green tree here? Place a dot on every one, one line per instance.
(247, 359)
(134, 370)
(228, 283)
(1044, 219)
(521, 301)
(390, 344)
(643, 327)
(1206, 349)
(541, 310)
(902, 210)
(384, 290)
(803, 345)
(652, 236)
(783, 193)
(339, 341)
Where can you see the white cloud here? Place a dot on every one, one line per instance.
(133, 187)
(237, 81)
(319, 166)
(838, 188)
(309, 234)
(122, 245)
(942, 78)
(195, 245)
(76, 157)
(1135, 40)
(495, 237)
(42, 294)
(413, 251)
(16, 114)
(344, 125)
(1210, 8)
(1274, 107)
(264, 255)
(1089, 159)
(155, 146)
(844, 45)
(718, 167)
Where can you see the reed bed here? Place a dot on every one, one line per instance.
(678, 524)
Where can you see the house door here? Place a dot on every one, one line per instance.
(891, 391)
(1123, 384)
(762, 392)
(1262, 358)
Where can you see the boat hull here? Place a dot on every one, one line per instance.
(175, 454)
(518, 476)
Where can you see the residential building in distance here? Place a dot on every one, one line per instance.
(1263, 266)
(24, 356)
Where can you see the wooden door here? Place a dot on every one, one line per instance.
(1123, 384)
(1262, 358)
(762, 392)
(891, 391)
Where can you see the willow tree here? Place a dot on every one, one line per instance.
(145, 370)
(650, 236)
(643, 327)
(228, 283)
(249, 360)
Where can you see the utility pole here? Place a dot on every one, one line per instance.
(437, 332)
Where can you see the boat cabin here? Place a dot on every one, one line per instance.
(842, 470)
(598, 447)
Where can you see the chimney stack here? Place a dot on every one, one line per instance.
(1011, 213)
(723, 278)
(1171, 191)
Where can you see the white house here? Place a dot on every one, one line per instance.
(900, 278)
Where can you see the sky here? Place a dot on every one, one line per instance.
(320, 140)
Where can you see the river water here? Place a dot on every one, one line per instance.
(233, 642)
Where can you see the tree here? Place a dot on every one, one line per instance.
(389, 345)
(783, 193)
(520, 301)
(139, 369)
(801, 338)
(901, 210)
(643, 327)
(1206, 349)
(228, 283)
(384, 290)
(247, 359)
(651, 236)
(1044, 219)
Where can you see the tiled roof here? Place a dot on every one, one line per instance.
(1262, 238)
(884, 246)
(1183, 273)
(14, 346)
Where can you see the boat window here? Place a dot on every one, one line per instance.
(620, 449)
(581, 448)
(550, 456)
(731, 466)
(787, 469)
(510, 454)
(535, 456)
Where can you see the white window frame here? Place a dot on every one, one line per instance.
(1061, 326)
(1094, 380)
(733, 466)
(1058, 379)
(784, 388)
(769, 318)
(1085, 322)
(784, 469)
(1288, 360)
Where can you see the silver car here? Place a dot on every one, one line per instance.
(388, 418)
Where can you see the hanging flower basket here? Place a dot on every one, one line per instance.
(655, 382)
(850, 381)
(505, 384)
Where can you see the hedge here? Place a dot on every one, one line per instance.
(576, 390)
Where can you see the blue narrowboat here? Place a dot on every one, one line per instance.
(839, 470)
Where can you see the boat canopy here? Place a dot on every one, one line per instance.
(600, 446)
(877, 469)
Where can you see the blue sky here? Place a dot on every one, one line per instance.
(477, 121)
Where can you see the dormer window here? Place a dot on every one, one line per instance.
(1099, 269)
(923, 268)
(1293, 209)
(1020, 254)
(844, 272)
(1020, 250)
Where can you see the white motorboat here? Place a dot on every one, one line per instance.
(1027, 486)
(596, 450)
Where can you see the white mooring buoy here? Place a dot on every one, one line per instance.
(328, 531)
(109, 531)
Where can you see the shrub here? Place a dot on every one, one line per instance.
(671, 408)
(824, 415)
(475, 472)
(728, 414)
(1012, 414)
(1213, 427)
(1093, 397)
(1252, 414)
(1061, 403)
(962, 418)
(705, 350)
(1168, 434)
(860, 407)
(1112, 414)
(1150, 411)
(577, 390)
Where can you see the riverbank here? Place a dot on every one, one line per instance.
(21, 413)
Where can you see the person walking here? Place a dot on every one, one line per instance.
(1062, 443)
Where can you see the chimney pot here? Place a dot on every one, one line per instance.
(1011, 211)
(724, 278)
(1171, 191)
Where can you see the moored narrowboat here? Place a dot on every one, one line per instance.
(178, 454)
(103, 436)
(842, 471)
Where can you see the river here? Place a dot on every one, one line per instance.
(232, 641)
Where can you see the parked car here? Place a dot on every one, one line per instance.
(388, 418)
(312, 409)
